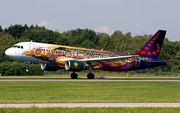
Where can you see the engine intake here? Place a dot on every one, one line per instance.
(74, 65)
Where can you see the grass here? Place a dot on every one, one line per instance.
(89, 91)
(90, 110)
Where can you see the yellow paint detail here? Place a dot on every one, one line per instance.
(60, 61)
(28, 53)
(75, 64)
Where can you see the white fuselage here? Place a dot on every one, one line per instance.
(16, 51)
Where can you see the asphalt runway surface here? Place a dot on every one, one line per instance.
(73, 105)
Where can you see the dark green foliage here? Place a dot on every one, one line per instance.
(34, 69)
(18, 68)
(79, 37)
(1, 30)
(16, 30)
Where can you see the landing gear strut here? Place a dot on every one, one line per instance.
(27, 66)
(90, 75)
(74, 75)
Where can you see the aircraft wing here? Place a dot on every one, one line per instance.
(97, 61)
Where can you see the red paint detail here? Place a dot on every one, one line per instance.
(158, 47)
(149, 45)
(143, 52)
(154, 52)
(152, 42)
(157, 44)
(146, 48)
(149, 53)
(153, 39)
(157, 35)
(158, 50)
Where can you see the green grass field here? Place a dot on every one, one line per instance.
(90, 110)
(89, 91)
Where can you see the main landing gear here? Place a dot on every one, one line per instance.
(75, 75)
(90, 75)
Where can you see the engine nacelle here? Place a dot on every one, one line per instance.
(74, 65)
(50, 67)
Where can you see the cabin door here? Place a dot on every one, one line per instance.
(31, 46)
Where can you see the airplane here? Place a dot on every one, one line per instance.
(53, 57)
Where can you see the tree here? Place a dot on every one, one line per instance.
(62, 41)
(34, 69)
(103, 42)
(16, 30)
(1, 30)
(41, 35)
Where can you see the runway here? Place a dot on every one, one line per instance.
(99, 105)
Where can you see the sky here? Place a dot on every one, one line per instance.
(139, 17)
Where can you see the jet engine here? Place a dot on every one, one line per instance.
(74, 65)
(50, 67)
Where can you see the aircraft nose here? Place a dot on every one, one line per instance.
(9, 52)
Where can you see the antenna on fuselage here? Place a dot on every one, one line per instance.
(31, 41)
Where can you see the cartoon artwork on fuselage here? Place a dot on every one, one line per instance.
(60, 54)
(44, 53)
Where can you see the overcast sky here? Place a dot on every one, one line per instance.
(136, 16)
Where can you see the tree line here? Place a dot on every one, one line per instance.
(78, 37)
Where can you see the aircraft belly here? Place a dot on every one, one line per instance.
(117, 67)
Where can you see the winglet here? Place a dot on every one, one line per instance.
(153, 47)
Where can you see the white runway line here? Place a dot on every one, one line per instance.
(73, 105)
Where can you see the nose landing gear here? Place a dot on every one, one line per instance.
(27, 66)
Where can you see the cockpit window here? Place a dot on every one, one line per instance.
(15, 46)
(18, 46)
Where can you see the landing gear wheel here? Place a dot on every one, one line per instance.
(74, 76)
(90, 76)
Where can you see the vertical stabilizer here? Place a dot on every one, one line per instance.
(153, 47)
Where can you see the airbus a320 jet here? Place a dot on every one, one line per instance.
(53, 57)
